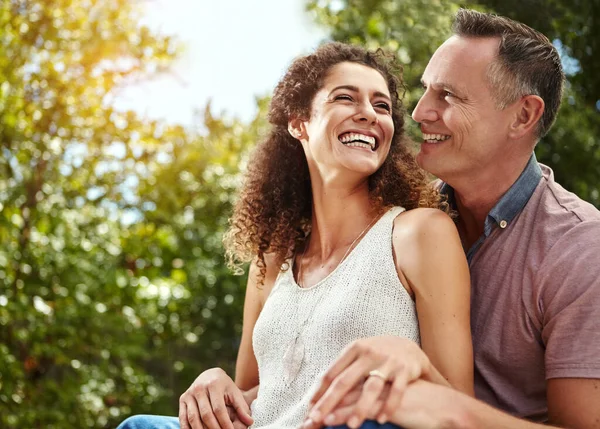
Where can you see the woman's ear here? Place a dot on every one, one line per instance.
(296, 128)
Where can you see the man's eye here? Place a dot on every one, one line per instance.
(448, 94)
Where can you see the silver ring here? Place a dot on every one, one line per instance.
(378, 374)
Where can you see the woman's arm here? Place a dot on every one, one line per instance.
(430, 257)
(246, 368)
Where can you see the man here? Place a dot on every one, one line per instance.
(492, 91)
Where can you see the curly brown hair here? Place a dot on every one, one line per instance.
(274, 209)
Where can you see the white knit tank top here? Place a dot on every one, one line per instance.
(362, 297)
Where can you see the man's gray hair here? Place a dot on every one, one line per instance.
(527, 63)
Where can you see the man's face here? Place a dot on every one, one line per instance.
(463, 131)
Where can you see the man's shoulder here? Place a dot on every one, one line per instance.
(557, 220)
(561, 207)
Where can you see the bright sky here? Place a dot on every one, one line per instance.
(235, 50)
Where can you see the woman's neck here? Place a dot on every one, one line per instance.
(339, 215)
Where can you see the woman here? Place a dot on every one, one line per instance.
(329, 216)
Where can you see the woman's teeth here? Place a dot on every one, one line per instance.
(358, 144)
(358, 140)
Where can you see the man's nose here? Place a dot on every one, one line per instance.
(425, 111)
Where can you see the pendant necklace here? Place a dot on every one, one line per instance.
(294, 355)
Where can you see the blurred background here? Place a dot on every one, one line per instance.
(124, 126)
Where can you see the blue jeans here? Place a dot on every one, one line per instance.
(143, 421)
(369, 424)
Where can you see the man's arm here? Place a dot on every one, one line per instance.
(470, 413)
(569, 308)
(574, 402)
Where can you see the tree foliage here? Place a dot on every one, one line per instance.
(68, 331)
(113, 291)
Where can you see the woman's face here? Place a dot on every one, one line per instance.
(350, 127)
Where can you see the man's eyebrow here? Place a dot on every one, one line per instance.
(355, 89)
(445, 86)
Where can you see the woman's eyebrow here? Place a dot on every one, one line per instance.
(355, 89)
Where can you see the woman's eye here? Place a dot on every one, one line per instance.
(384, 106)
(343, 97)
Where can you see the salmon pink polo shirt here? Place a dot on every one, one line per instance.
(535, 293)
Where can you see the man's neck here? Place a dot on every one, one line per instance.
(472, 214)
(477, 195)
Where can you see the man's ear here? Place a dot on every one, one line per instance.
(528, 111)
(296, 128)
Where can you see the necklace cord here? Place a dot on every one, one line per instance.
(300, 265)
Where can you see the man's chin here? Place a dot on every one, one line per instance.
(421, 159)
(428, 164)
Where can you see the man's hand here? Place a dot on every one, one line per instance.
(205, 404)
(378, 361)
(424, 405)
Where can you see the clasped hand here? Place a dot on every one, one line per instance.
(368, 380)
(213, 401)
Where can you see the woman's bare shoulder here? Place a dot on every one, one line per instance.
(424, 221)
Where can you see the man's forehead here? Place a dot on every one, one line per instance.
(459, 60)
(461, 51)
(446, 77)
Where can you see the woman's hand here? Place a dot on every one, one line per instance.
(378, 362)
(205, 404)
(235, 419)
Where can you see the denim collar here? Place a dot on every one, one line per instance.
(509, 205)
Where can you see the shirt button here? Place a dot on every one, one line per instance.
(503, 224)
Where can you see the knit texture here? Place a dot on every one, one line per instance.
(362, 297)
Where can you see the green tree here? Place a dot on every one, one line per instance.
(69, 338)
(177, 246)
(114, 294)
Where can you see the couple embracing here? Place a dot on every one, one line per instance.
(376, 300)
